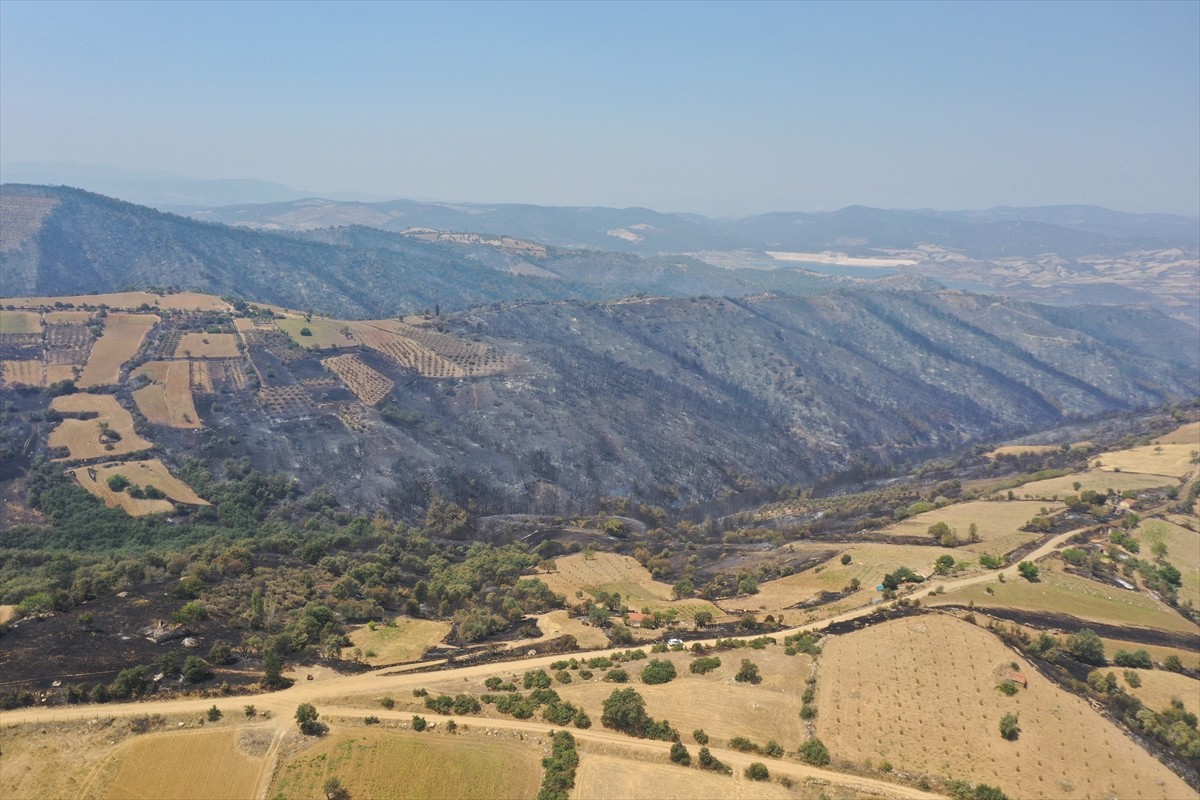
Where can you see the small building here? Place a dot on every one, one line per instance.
(636, 619)
(1017, 677)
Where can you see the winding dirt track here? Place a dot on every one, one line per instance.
(393, 680)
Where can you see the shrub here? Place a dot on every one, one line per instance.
(1086, 646)
(1028, 569)
(704, 664)
(1139, 659)
(773, 749)
(1009, 727)
(214, 713)
(559, 776)
(814, 752)
(537, 679)
(195, 670)
(306, 719)
(371, 720)
(388, 703)
(616, 675)
(680, 754)
(418, 723)
(748, 672)
(118, 482)
(658, 671)
(700, 736)
(743, 745)
(757, 771)
(1008, 687)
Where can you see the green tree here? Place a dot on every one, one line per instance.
(272, 669)
(680, 754)
(700, 736)
(195, 670)
(747, 672)
(1009, 727)
(757, 771)
(658, 671)
(625, 711)
(703, 618)
(814, 752)
(118, 482)
(1086, 646)
(1028, 569)
(214, 713)
(418, 723)
(306, 719)
(846, 559)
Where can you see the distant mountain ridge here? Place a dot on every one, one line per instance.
(1070, 231)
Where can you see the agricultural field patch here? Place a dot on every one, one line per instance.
(324, 333)
(611, 572)
(133, 301)
(200, 377)
(1023, 449)
(1173, 460)
(168, 399)
(68, 343)
(367, 384)
(1188, 434)
(602, 777)
(139, 473)
(23, 373)
(204, 765)
(1183, 551)
(430, 353)
(1189, 658)
(559, 623)
(93, 438)
(409, 765)
(1057, 591)
(66, 317)
(285, 401)
(207, 345)
(920, 693)
(41, 762)
(869, 562)
(1160, 688)
(997, 523)
(20, 322)
(1096, 480)
(405, 641)
(123, 335)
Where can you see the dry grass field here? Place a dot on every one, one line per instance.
(406, 641)
(381, 764)
(83, 437)
(141, 473)
(200, 376)
(602, 777)
(558, 623)
(611, 572)
(869, 562)
(1022, 449)
(1096, 480)
(1183, 550)
(207, 345)
(123, 335)
(326, 333)
(998, 523)
(1058, 592)
(20, 322)
(1188, 434)
(1189, 658)
(180, 301)
(1172, 460)
(44, 763)
(66, 317)
(199, 765)
(168, 400)
(1159, 688)
(367, 384)
(920, 694)
(24, 373)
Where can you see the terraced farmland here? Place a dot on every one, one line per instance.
(207, 345)
(611, 572)
(143, 474)
(168, 399)
(367, 384)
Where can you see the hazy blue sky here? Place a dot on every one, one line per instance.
(715, 108)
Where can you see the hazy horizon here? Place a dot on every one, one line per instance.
(726, 110)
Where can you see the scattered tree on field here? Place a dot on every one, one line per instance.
(1009, 727)
(747, 672)
(306, 719)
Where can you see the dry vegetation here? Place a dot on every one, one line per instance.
(602, 777)
(1172, 460)
(204, 765)
(324, 333)
(140, 473)
(123, 335)
(367, 384)
(1188, 434)
(611, 572)
(998, 523)
(20, 322)
(168, 400)
(24, 373)
(1095, 480)
(1160, 688)
(380, 764)
(405, 641)
(920, 693)
(1059, 592)
(207, 345)
(85, 437)
(1183, 550)
(180, 301)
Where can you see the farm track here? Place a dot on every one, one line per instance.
(1050, 621)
